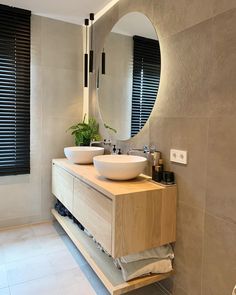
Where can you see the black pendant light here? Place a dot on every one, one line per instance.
(91, 52)
(98, 78)
(86, 22)
(103, 62)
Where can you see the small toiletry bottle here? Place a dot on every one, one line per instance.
(156, 157)
(153, 165)
(168, 177)
(161, 164)
(119, 151)
(159, 173)
(154, 173)
(114, 149)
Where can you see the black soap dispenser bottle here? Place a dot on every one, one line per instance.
(157, 172)
(114, 150)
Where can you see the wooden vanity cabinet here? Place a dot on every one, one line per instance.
(63, 186)
(94, 211)
(143, 220)
(125, 217)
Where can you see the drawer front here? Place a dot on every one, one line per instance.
(62, 186)
(94, 211)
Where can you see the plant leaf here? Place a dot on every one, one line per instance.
(110, 128)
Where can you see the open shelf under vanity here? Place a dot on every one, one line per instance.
(101, 263)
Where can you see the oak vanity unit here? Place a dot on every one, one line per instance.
(123, 216)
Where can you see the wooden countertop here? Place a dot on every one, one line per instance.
(111, 188)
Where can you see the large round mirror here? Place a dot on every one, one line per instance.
(129, 75)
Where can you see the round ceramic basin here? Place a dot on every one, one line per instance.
(82, 154)
(119, 167)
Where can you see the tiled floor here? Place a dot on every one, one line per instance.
(42, 260)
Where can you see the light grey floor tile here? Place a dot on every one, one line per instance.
(3, 277)
(74, 251)
(2, 259)
(61, 261)
(16, 234)
(51, 243)
(21, 249)
(29, 269)
(68, 282)
(74, 282)
(42, 286)
(5, 291)
(49, 228)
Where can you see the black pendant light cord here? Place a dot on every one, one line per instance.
(86, 22)
(91, 52)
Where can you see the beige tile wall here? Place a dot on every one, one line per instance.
(196, 111)
(56, 103)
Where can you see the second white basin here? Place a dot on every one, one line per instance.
(119, 167)
(82, 154)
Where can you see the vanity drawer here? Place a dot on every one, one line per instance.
(62, 186)
(94, 211)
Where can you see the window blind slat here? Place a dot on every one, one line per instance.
(14, 91)
(146, 79)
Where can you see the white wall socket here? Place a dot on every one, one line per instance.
(179, 156)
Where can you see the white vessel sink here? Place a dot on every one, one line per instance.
(119, 167)
(82, 154)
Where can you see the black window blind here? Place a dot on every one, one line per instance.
(146, 79)
(14, 91)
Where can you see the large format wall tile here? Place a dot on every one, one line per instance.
(172, 17)
(61, 44)
(179, 291)
(186, 67)
(219, 276)
(177, 133)
(188, 249)
(220, 6)
(223, 72)
(221, 171)
(36, 40)
(63, 92)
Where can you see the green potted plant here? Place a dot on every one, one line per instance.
(84, 132)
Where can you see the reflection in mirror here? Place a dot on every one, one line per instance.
(128, 90)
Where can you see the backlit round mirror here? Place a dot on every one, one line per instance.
(129, 75)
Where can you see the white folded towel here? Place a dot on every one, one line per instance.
(161, 252)
(157, 260)
(139, 268)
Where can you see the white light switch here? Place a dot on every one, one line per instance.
(178, 156)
